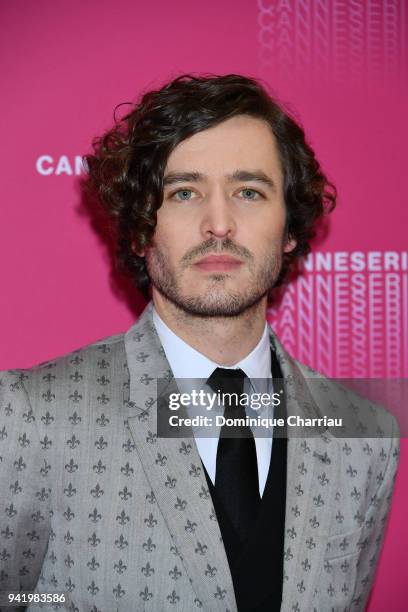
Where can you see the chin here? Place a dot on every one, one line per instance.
(217, 303)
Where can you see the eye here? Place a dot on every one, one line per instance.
(182, 195)
(251, 194)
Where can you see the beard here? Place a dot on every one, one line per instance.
(216, 301)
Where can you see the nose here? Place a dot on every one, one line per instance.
(218, 218)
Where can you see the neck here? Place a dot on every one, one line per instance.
(225, 340)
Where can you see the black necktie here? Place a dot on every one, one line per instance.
(236, 476)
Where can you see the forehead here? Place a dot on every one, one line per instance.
(239, 142)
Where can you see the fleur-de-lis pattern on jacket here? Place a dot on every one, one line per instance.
(96, 505)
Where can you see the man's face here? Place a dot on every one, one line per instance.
(219, 239)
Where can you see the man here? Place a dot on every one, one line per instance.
(214, 193)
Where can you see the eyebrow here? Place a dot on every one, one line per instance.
(237, 176)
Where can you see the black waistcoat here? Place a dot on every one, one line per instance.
(257, 565)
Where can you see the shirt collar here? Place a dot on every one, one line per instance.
(187, 362)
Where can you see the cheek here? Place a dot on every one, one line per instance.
(266, 233)
(170, 242)
(175, 231)
(163, 231)
(168, 227)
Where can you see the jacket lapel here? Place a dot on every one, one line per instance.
(312, 472)
(174, 470)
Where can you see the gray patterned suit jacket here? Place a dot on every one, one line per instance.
(95, 505)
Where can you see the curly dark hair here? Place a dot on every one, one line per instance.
(128, 162)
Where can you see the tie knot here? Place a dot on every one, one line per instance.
(227, 379)
(230, 385)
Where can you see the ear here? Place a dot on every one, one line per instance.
(289, 245)
(136, 251)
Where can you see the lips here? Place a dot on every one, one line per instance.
(219, 259)
(218, 263)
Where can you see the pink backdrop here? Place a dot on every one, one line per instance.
(340, 64)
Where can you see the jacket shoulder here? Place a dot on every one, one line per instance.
(354, 400)
(85, 358)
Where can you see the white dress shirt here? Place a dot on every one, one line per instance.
(187, 362)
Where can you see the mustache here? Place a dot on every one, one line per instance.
(219, 247)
